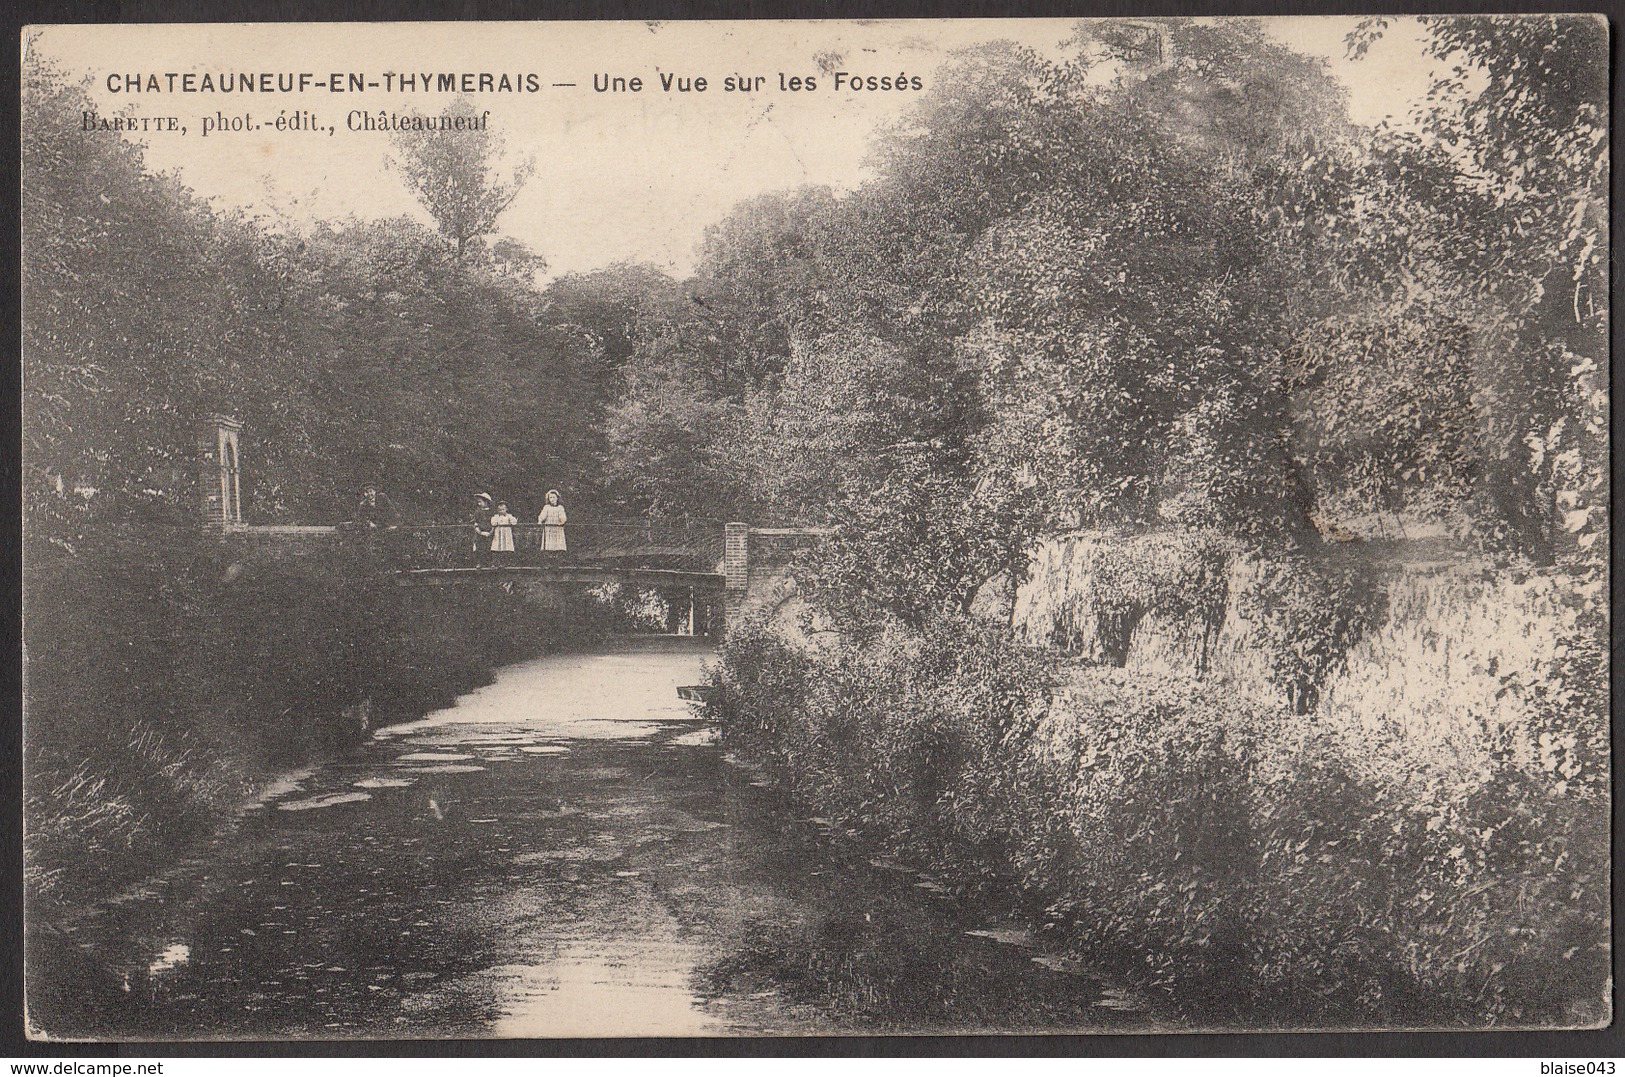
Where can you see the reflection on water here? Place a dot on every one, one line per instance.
(619, 695)
(643, 986)
(326, 801)
(174, 955)
(563, 853)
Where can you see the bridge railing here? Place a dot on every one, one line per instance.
(682, 543)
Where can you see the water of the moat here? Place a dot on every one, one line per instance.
(565, 852)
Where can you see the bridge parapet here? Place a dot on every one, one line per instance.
(679, 544)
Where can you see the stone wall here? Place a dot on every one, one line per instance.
(757, 564)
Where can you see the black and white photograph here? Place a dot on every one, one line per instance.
(839, 528)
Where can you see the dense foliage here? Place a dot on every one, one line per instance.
(167, 683)
(1187, 306)
(355, 351)
(1242, 865)
(453, 173)
(1167, 282)
(1161, 281)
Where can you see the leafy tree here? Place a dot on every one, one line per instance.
(1385, 400)
(917, 545)
(1534, 138)
(1188, 291)
(828, 425)
(1220, 89)
(448, 374)
(455, 175)
(1502, 189)
(669, 438)
(791, 287)
(144, 310)
(763, 272)
(610, 309)
(1133, 312)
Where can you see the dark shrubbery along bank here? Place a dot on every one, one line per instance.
(179, 680)
(1246, 863)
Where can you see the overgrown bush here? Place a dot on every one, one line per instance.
(109, 768)
(1138, 833)
(1468, 673)
(1179, 575)
(1425, 908)
(894, 736)
(131, 800)
(1303, 617)
(758, 689)
(1243, 865)
(1247, 865)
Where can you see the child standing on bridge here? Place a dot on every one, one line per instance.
(502, 534)
(481, 519)
(552, 520)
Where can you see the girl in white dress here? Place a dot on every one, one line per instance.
(502, 533)
(552, 520)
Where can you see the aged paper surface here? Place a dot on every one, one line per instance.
(847, 527)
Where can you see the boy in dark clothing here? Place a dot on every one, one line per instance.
(374, 509)
(481, 519)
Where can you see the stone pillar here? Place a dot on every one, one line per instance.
(219, 485)
(736, 569)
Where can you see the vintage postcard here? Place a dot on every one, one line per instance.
(829, 527)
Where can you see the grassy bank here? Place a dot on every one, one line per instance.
(168, 683)
(1289, 801)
